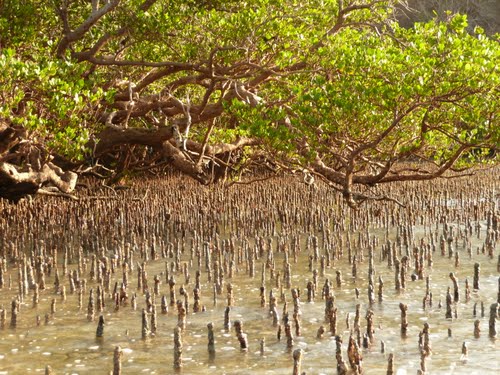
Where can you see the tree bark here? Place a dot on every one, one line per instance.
(23, 170)
(15, 184)
(113, 136)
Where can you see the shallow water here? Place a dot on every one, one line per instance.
(69, 345)
(68, 342)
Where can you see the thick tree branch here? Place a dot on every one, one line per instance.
(183, 164)
(345, 11)
(422, 177)
(222, 148)
(151, 77)
(113, 136)
(79, 32)
(112, 61)
(171, 107)
(107, 37)
(329, 173)
(15, 182)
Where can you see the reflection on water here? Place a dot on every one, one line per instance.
(67, 341)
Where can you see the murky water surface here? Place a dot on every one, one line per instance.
(67, 341)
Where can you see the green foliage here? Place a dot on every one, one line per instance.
(50, 99)
(325, 92)
(364, 81)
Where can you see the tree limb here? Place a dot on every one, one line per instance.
(112, 136)
(183, 164)
(222, 148)
(103, 40)
(79, 32)
(15, 184)
(419, 176)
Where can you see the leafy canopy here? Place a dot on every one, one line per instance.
(337, 88)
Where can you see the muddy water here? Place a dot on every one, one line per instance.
(67, 341)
